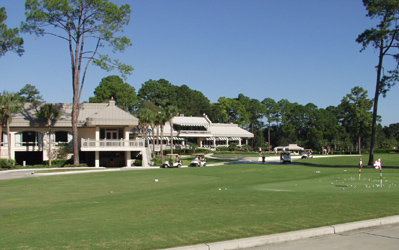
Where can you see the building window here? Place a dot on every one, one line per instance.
(29, 137)
(61, 136)
(111, 133)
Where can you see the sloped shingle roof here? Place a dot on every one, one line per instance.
(90, 114)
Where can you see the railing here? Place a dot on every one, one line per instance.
(197, 132)
(175, 146)
(106, 143)
(28, 144)
(157, 147)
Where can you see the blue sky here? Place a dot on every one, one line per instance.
(301, 50)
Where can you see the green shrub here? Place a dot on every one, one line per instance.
(63, 150)
(188, 151)
(203, 151)
(246, 148)
(233, 147)
(222, 149)
(71, 165)
(138, 163)
(157, 162)
(59, 162)
(6, 163)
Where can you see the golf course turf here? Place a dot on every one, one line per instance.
(130, 210)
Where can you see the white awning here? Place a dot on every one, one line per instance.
(193, 124)
(159, 138)
(222, 138)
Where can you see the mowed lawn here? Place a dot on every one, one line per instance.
(130, 210)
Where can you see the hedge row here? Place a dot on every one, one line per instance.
(188, 151)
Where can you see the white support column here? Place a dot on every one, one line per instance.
(126, 137)
(239, 142)
(11, 144)
(97, 159)
(127, 132)
(128, 161)
(97, 139)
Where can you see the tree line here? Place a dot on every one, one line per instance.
(345, 127)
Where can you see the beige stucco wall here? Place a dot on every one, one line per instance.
(87, 133)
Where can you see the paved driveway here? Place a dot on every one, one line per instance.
(16, 174)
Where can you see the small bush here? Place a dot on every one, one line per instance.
(233, 147)
(6, 163)
(157, 162)
(64, 150)
(138, 163)
(71, 165)
(246, 148)
(59, 163)
(222, 149)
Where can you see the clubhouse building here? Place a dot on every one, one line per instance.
(201, 131)
(108, 135)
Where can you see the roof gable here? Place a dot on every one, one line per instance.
(111, 115)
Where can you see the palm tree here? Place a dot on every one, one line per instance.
(146, 118)
(162, 118)
(50, 113)
(171, 111)
(10, 104)
(157, 125)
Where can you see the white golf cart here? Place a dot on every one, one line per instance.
(305, 154)
(172, 161)
(198, 161)
(285, 157)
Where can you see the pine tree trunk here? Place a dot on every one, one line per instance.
(49, 146)
(9, 138)
(1, 137)
(75, 115)
(377, 94)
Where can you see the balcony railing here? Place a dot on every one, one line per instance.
(106, 143)
(196, 132)
(29, 144)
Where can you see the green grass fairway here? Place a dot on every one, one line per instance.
(129, 210)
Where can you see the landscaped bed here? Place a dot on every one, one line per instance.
(131, 210)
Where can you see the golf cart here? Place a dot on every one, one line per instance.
(306, 154)
(285, 157)
(172, 161)
(198, 161)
